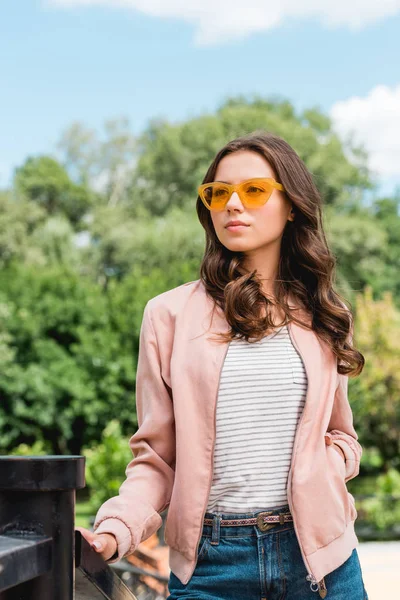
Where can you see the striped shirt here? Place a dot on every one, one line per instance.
(261, 396)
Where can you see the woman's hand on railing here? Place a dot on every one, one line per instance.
(103, 543)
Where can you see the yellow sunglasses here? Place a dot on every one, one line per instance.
(252, 192)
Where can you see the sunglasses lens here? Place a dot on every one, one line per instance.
(216, 196)
(256, 194)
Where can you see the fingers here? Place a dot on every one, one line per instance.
(104, 544)
(101, 542)
(86, 533)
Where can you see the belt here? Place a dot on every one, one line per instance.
(264, 520)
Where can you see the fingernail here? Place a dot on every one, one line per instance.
(96, 545)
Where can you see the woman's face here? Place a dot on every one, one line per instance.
(264, 225)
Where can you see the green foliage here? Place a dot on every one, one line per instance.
(386, 212)
(83, 514)
(18, 221)
(375, 394)
(56, 243)
(169, 243)
(358, 241)
(44, 181)
(106, 463)
(383, 508)
(371, 459)
(38, 448)
(66, 372)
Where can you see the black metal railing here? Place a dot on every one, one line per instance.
(41, 555)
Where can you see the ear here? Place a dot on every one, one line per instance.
(291, 215)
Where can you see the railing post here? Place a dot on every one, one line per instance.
(37, 500)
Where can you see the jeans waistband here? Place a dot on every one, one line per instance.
(243, 530)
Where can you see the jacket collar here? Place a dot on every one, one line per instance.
(219, 324)
(305, 339)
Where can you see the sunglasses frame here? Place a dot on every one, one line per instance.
(238, 188)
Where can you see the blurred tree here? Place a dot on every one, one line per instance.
(104, 162)
(56, 241)
(44, 181)
(65, 373)
(106, 464)
(387, 216)
(18, 221)
(121, 243)
(79, 147)
(173, 159)
(376, 393)
(360, 244)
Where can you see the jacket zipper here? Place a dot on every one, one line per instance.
(310, 576)
(212, 452)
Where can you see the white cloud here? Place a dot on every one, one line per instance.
(375, 122)
(223, 20)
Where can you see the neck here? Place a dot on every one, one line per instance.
(265, 261)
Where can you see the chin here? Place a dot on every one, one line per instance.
(237, 247)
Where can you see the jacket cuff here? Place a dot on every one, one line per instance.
(339, 451)
(351, 462)
(337, 435)
(122, 533)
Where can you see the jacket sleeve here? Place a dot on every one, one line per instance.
(340, 428)
(133, 515)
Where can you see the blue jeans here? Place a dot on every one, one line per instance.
(244, 563)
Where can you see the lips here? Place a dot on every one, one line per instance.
(236, 223)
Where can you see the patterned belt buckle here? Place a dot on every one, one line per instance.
(264, 526)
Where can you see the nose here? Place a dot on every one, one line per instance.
(234, 202)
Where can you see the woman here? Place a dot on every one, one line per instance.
(245, 429)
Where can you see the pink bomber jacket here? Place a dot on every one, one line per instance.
(178, 373)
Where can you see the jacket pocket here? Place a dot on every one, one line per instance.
(339, 459)
(353, 510)
(338, 475)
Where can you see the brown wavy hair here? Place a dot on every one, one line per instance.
(306, 267)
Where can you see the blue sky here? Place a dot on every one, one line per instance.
(88, 60)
